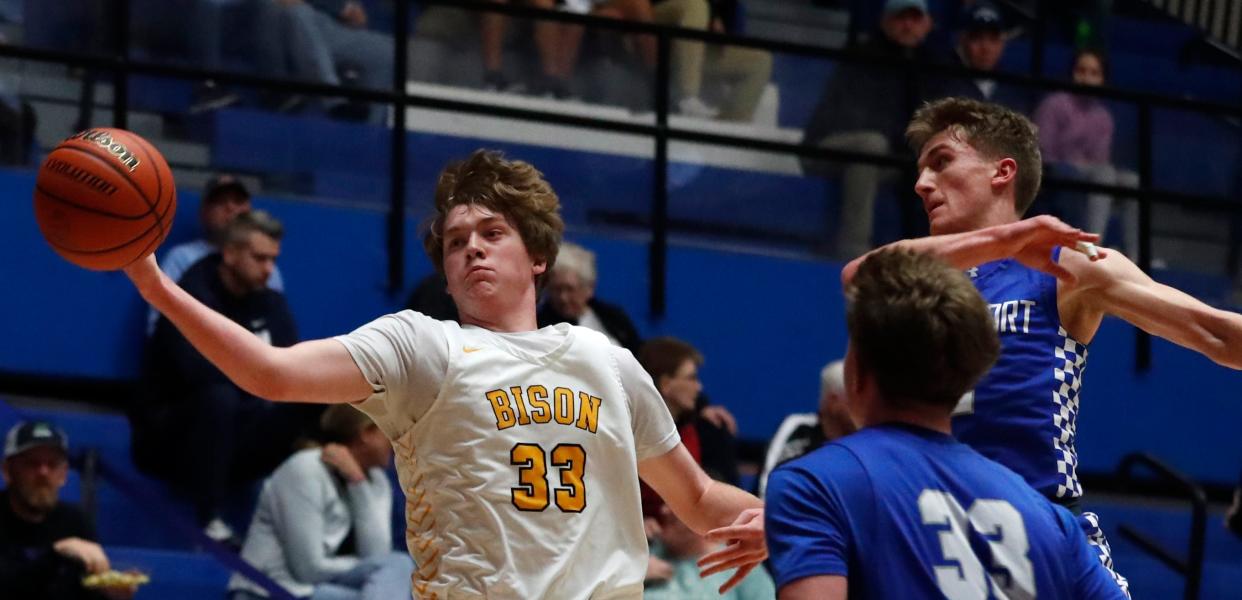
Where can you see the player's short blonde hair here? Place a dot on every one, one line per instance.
(991, 129)
(920, 328)
(513, 188)
(237, 232)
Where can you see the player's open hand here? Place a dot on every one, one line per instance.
(744, 549)
(1030, 242)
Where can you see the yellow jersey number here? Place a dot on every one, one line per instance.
(531, 493)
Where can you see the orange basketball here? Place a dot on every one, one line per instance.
(104, 198)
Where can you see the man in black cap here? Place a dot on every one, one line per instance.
(46, 546)
(864, 108)
(980, 45)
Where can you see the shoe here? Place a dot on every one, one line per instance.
(693, 107)
(495, 81)
(209, 97)
(548, 86)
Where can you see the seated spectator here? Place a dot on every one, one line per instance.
(569, 297)
(980, 45)
(191, 424)
(556, 44)
(674, 570)
(865, 109)
(631, 10)
(322, 527)
(801, 433)
(745, 71)
(46, 546)
(1076, 139)
(223, 199)
(674, 369)
(318, 40)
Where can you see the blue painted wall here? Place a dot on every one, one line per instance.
(765, 324)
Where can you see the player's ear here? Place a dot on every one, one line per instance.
(1006, 172)
(540, 266)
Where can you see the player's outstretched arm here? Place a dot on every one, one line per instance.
(1030, 241)
(314, 371)
(719, 511)
(1118, 287)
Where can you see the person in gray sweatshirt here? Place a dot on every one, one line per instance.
(323, 527)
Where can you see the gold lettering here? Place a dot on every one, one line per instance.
(564, 398)
(500, 406)
(540, 410)
(516, 392)
(588, 411)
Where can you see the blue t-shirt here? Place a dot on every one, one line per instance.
(906, 512)
(1024, 412)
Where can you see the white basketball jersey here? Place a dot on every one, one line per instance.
(521, 476)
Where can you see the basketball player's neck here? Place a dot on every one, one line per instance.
(497, 315)
(927, 418)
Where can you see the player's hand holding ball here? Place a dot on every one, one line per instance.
(105, 199)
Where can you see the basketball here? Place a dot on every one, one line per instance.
(104, 198)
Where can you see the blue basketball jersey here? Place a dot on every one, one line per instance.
(906, 512)
(1024, 412)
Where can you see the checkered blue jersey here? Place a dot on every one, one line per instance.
(906, 512)
(1024, 412)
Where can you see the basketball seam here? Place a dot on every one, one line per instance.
(141, 193)
(149, 151)
(102, 213)
(106, 250)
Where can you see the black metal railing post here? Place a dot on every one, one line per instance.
(397, 154)
(1192, 567)
(658, 259)
(120, 77)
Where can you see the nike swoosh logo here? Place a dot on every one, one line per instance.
(469, 349)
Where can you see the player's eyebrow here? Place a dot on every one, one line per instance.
(939, 147)
(483, 222)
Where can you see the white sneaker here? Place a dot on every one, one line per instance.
(218, 531)
(693, 107)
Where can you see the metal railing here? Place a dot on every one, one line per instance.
(1191, 567)
(121, 66)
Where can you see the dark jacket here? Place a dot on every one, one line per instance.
(29, 566)
(862, 97)
(1011, 96)
(173, 368)
(612, 316)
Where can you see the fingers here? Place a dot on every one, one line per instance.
(736, 579)
(739, 560)
(735, 532)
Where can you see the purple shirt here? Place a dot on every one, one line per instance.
(1074, 129)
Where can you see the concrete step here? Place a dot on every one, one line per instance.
(56, 121)
(798, 21)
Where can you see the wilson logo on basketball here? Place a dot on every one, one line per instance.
(89, 179)
(105, 141)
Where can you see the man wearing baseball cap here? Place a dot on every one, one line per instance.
(865, 108)
(46, 546)
(984, 33)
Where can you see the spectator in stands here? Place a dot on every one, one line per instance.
(674, 368)
(1076, 139)
(744, 71)
(321, 40)
(571, 36)
(677, 553)
(864, 108)
(569, 297)
(551, 40)
(980, 45)
(46, 546)
(191, 424)
(224, 197)
(800, 433)
(191, 31)
(323, 528)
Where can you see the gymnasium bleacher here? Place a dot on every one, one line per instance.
(748, 213)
